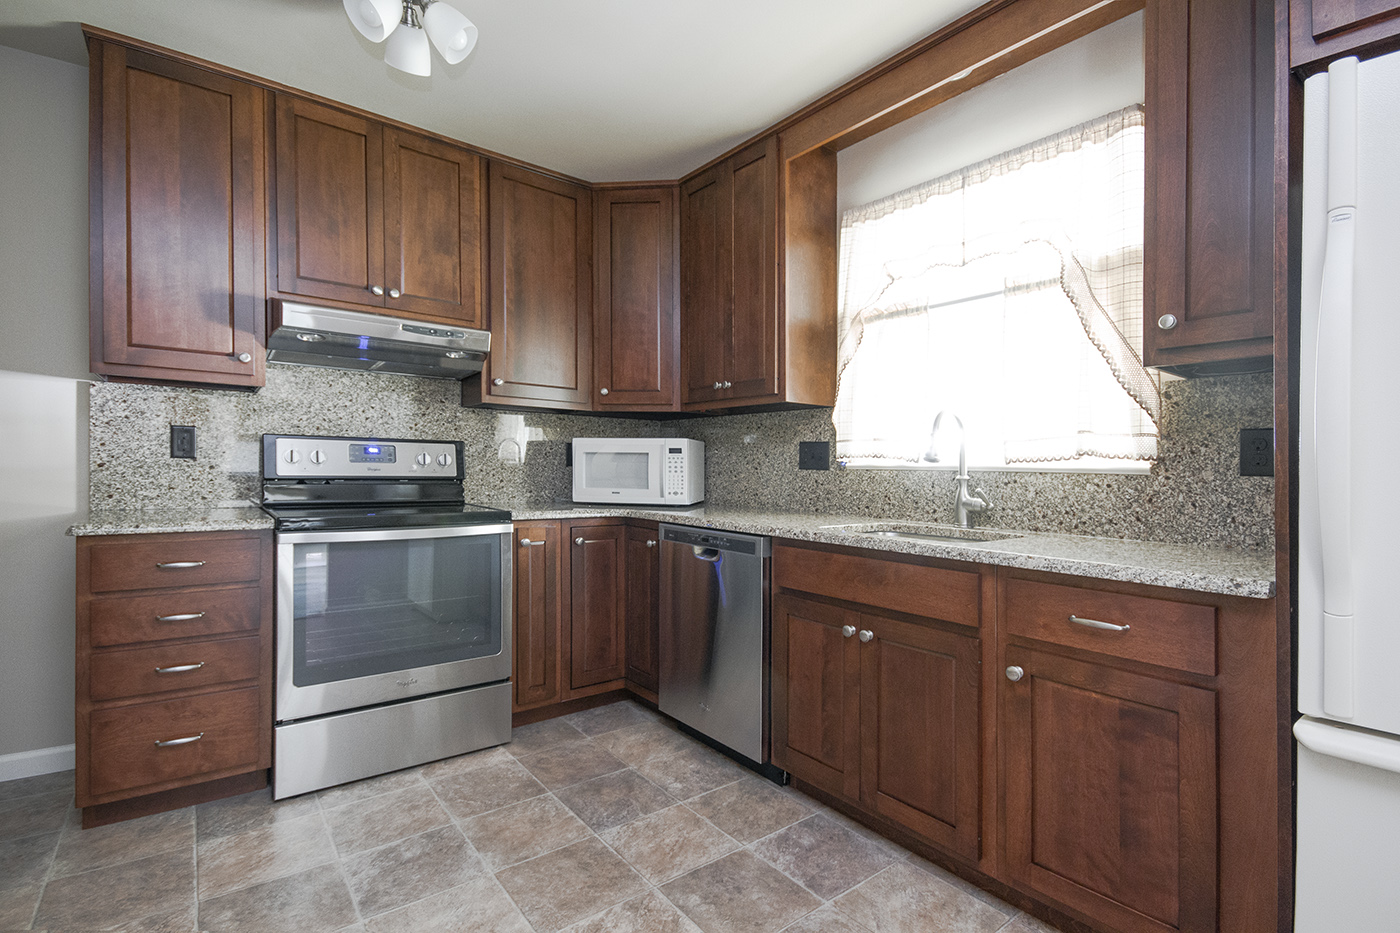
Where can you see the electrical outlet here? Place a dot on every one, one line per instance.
(1257, 452)
(182, 441)
(813, 455)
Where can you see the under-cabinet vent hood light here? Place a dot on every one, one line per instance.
(363, 342)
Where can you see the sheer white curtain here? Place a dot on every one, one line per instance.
(1009, 292)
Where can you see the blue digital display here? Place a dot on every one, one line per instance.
(372, 450)
(371, 453)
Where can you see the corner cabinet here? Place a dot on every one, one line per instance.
(177, 217)
(1215, 210)
(1324, 30)
(375, 216)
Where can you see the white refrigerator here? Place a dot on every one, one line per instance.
(1348, 793)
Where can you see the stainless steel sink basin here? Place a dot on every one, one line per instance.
(921, 531)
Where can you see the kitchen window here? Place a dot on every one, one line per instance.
(1009, 293)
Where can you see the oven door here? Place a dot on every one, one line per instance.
(374, 616)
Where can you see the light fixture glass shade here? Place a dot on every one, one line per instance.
(452, 33)
(408, 51)
(375, 19)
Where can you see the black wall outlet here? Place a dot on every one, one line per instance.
(813, 455)
(182, 441)
(1257, 452)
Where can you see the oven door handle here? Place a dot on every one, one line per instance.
(392, 534)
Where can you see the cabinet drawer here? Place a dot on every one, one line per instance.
(124, 753)
(1159, 631)
(934, 592)
(136, 671)
(173, 560)
(126, 620)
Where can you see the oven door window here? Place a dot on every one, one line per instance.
(370, 607)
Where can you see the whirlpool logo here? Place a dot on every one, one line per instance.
(407, 683)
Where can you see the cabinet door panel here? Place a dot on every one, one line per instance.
(330, 236)
(432, 227)
(535, 638)
(643, 606)
(816, 695)
(1321, 31)
(634, 348)
(597, 567)
(1110, 785)
(753, 360)
(919, 725)
(706, 241)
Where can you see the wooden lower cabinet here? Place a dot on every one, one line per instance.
(597, 585)
(642, 609)
(537, 625)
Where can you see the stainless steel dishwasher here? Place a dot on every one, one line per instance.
(714, 637)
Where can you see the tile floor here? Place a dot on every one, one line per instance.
(605, 821)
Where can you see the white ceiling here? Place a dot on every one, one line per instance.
(609, 90)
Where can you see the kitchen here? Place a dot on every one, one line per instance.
(1193, 496)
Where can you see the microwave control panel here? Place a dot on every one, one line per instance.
(675, 472)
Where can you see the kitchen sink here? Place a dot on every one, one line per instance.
(921, 531)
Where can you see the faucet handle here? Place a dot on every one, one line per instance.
(979, 495)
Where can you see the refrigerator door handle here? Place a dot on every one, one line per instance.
(1349, 744)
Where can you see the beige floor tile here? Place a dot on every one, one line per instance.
(668, 843)
(740, 894)
(826, 919)
(570, 884)
(901, 898)
(258, 855)
(522, 831)
(637, 744)
(411, 869)
(370, 787)
(690, 772)
(25, 862)
(479, 906)
(823, 855)
(34, 816)
(180, 920)
(250, 811)
(117, 894)
(313, 901)
(17, 903)
(608, 718)
(943, 874)
(1025, 923)
(614, 799)
(752, 808)
(82, 850)
(650, 913)
(893, 848)
(498, 782)
(536, 737)
(570, 763)
(387, 818)
(53, 783)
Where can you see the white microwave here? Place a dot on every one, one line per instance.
(639, 470)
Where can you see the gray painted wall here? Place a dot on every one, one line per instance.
(43, 397)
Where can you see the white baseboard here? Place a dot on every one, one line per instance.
(39, 761)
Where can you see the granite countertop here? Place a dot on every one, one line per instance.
(1187, 567)
(246, 517)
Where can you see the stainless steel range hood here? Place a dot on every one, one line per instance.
(357, 340)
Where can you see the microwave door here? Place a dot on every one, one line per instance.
(627, 476)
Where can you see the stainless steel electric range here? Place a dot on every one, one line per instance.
(393, 609)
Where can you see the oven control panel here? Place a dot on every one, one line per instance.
(286, 457)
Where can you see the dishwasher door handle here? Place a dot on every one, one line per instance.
(706, 553)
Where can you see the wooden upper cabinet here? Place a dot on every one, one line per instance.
(1323, 30)
(1213, 211)
(705, 250)
(177, 219)
(376, 216)
(634, 317)
(540, 283)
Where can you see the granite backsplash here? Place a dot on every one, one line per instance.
(1193, 495)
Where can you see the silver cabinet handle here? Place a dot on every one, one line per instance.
(181, 617)
(848, 630)
(651, 542)
(1166, 322)
(719, 385)
(180, 564)
(602, 391)
(245, 357)
(377, 291)
(578, 540)
(727, 384)
(526, 542)
(1095, 623)
(866, 635)
(1015, 673)
(180, 668)
(498, 381)
(394, 293)
(166, 743)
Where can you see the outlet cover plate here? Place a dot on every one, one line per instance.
(182, 441)
(1257, 452)
(813, 455)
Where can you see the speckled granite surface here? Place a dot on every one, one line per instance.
(161, 521)
(1190, 567)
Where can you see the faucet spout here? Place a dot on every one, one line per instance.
(965, 505)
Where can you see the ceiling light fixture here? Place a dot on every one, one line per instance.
(408, 25)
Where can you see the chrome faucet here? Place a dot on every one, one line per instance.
(965, 505)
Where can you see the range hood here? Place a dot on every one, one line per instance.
(373, 343)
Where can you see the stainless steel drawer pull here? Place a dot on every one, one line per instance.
(180, 564)
(526, 542)
(1095, 623)
(179, 668)
(166, 743)
(181, 617)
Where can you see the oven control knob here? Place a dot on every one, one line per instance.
(317, 456)
(444, 459)
(424, 459)
(293, 456)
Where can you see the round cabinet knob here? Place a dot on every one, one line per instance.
(1166, 321)
(602, 391)
(293, 456)
(848, 630)
(317, 456)
(498, 381)
(424, 459)
(245, 357)
(719, 385)
(728, 384)
(444, 459)
(1015, 673)
(578, 540)
(866, 635)
(394, 293)
(651, 543)
(377, 291)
